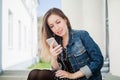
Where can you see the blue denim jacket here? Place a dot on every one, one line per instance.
(84, 54)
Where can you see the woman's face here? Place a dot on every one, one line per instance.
(57, 24)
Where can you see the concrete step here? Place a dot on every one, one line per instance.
(22, 75)
(109, 76)
(14, 75)
(12, 78)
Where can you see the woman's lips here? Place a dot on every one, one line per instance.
(59, 32)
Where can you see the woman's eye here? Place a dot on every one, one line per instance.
(51, 26)
(58, 22)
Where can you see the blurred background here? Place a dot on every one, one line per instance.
(20, 30)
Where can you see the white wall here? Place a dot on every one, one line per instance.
(74, 11)
(114, 29)
(25, 46)
(88, 15)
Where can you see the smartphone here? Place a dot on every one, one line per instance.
(50, 40)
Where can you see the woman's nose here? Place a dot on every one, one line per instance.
(56, 27)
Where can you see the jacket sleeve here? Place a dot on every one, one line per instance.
(96, 58)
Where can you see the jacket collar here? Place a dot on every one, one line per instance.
(70, 41)
(71, 35)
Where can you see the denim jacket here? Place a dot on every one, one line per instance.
(84, 54)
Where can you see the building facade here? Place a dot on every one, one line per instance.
(19, 33)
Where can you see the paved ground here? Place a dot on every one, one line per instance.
(109, 76)
(22, 75)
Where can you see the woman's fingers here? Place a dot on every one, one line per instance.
(57, 47)
(58, 50)
(62, 74)
(55, 51)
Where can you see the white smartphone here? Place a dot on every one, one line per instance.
(50, 40)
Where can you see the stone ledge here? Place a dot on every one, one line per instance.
(14, 75)
(109, 76)
(22, 75)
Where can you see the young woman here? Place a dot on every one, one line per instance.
(77, 56)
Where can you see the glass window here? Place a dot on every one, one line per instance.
(10, 29)
(19, 34)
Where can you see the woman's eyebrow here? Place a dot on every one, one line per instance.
(57, 20)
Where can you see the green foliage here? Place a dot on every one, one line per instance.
(40, 65)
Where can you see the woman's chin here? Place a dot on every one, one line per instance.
(60, 35)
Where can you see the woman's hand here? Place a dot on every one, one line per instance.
(64, 74)
(55, 51)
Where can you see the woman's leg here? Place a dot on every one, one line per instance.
(38, 74)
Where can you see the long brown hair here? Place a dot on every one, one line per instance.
(46, 31)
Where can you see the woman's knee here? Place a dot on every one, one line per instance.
(38, 74)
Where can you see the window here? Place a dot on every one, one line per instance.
(10, 29)
(25, 37)
(19, 34)
(22, 35)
